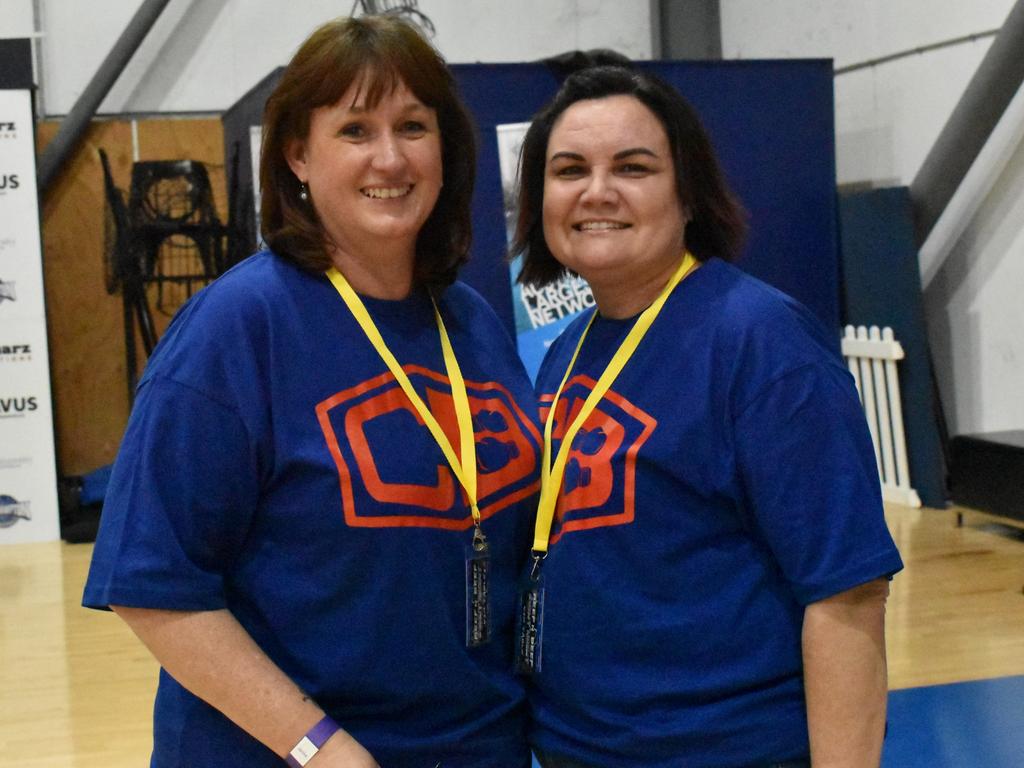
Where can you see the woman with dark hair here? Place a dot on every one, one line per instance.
(320, 507)
(710, 559)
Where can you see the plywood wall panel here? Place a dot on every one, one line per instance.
(85, 323)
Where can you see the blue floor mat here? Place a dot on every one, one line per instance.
(978, 724)
(963, 725)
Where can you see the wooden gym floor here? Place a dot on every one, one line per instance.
(76, 687)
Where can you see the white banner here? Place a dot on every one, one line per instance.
(28, 478)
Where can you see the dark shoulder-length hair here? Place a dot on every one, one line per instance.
(717, 225)
(380, 53)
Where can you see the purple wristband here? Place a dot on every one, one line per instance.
(310, 744)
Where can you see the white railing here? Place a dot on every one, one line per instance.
(871, 356)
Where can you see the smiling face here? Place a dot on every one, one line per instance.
(611, 210)
(374, 173)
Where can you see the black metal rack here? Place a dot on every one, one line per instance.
(161, 246)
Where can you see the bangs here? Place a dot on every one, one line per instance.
(370, 58)
(374, 82)
(383, 72)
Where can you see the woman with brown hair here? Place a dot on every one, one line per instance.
(710, 556)
(320, 505)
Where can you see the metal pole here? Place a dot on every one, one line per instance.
(993, 86)
(77, 121)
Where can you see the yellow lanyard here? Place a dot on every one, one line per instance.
(551, 475)
(465, 470)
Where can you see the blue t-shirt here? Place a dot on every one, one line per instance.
(725, 481)
(272, 466)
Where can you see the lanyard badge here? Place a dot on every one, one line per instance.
(530, 621)
(478, 591)
(531, 603)
(463, 465)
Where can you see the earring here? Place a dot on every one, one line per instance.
(303, 191)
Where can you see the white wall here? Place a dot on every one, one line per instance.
(16, 18)
(973, 300)
(887, 119)
(201, 55)
(888, 116)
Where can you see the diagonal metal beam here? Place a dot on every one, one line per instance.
(74, 126)
(997, 80)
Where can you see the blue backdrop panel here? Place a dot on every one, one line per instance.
(772, 126)
(882, 286)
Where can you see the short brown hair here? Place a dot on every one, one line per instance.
(382, 52)
(718, 221)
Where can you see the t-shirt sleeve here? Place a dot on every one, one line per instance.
(179, 504)
(808, 468)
